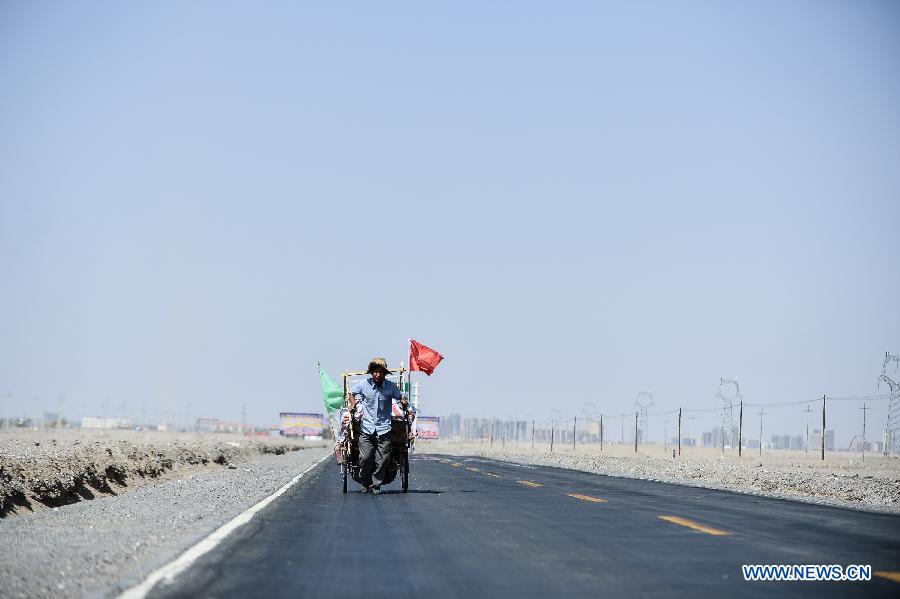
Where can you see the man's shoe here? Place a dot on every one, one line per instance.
(376, 490)
(363, 489)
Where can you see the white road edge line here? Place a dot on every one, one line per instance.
(168, 572)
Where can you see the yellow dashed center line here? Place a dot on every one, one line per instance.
(586, 498)
(473, 469)
(493, 475)
(528, 483)
(695, 525)
(455, 465)
(895, 576)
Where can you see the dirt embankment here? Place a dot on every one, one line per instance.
(39, 470)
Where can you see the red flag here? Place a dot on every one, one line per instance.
(422, 357)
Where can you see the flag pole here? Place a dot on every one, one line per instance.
(409, 370)
(409, 388)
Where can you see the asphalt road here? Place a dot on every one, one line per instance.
(471, 527)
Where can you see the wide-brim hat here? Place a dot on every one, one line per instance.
(378, 363)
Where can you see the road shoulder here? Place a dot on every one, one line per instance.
(98, 548)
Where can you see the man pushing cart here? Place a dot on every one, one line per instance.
(375, 425)
(375, 421)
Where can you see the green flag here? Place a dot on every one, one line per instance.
(332, 393)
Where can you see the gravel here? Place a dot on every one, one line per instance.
(51, 469)
(873, 485)
(98, 548)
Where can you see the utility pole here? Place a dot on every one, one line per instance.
(807, 410)
(601, 432)
(552, 428)
(761, 414)
(679, 432)
(665, 435)
(574, 425)
(693, 441)
(740, 427)
(864, 408)
(635, 431)
(532, 434)
(823, 428)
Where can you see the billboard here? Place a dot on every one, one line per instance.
(428, 427)
(294, 424)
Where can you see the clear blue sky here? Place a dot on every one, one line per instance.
(571, 202)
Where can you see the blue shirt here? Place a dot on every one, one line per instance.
(376, 404)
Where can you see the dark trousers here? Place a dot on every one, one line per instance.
(374, 453)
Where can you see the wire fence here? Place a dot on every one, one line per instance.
(741, 431)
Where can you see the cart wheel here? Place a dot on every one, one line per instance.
(344, 473)
(405, 469)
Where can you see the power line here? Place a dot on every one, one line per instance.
(859, 397)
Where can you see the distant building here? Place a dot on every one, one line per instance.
(206, 425)
(860, 445)
(685, 441)
(223, 426)
(815, 440)
(798, 442)
(214, 425)
(714, 438)
(781, 442)
(88, 422)
(452, 426)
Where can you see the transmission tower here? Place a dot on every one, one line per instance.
(643, 401)
(729, 432)
(591, 410)
(892, 429)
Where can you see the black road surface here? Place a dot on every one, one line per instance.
(471, 527)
